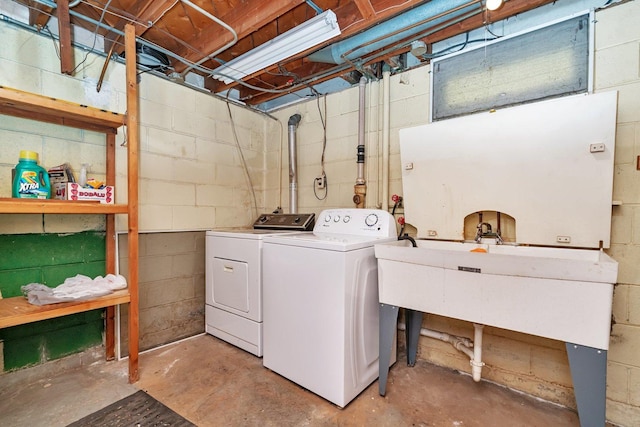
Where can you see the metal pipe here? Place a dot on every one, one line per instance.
(218, 21)
(142, 41)
(293, 164)
(361, 130)
(360, 189)
(386, 111)
(413, 21)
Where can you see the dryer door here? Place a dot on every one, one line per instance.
(231, 284)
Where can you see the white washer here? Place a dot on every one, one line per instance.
(233, 300)
(321, 303)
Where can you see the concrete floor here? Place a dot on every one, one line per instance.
(212, 383)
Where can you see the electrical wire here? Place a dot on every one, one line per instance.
(244, 162)
(323, 174)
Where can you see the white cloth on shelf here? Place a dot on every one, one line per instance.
(77, 288)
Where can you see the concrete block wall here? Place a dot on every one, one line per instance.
(172, 283)
(618, 68)
(191, 173)
(534, 365)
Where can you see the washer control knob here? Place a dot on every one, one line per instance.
(346, 218)
(327, 218)
(336, 218)
(371, 220)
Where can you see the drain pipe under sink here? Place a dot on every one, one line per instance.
(473, 349)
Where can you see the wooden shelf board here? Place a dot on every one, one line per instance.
(44, 108)
(50, 206)
(17, 310)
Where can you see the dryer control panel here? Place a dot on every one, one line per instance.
(356, 222)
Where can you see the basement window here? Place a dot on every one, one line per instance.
(546, 62)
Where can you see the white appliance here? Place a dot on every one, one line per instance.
(321, 302)
(233, 300)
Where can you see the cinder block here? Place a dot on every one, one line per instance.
(193, 124)
(154, 114)
(193, 218)
(625, 345)
(618, 382)
(628, 105)
(616, 25)
(188, 264)
(156, 166)
(622, 220)
(627, 257)
(634, 308)
(152, 218)
(626, 188)
(622, 414)
(155, 268)
(171, 143)
(551, 365)
(617, 65)
(168, 292)
(167, 193)
(620, 308)
(634, 386)
(169, 244)
(73, 223)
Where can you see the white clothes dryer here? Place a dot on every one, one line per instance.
(321, 304)
(233, 274)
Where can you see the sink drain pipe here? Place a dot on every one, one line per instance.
(473, 349)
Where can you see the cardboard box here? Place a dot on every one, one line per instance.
(60, 176)
(103, 195)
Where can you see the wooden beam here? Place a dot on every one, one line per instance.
(132, 194)
(254, 14)
(64, 32)
(110, 246)
(366, 10)
(145, 11)
(39, 14)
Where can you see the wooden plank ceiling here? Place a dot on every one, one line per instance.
(189, 34)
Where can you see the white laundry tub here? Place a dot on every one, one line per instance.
(564, 294)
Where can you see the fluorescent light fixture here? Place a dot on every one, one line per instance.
(306, 35)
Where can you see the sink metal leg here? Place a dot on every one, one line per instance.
(589, 374)
(388, 323)
(412, 334)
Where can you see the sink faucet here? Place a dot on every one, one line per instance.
(485, 230)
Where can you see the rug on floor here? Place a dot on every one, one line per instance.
(138, 409)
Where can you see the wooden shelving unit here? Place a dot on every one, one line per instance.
(17, 311)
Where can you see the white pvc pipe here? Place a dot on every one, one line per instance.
(218, 21)
(473, 349)
(386, 111)
(476, 362)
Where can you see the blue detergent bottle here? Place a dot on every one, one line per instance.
(31, 181)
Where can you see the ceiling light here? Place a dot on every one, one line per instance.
(305, 36)
(494, 4)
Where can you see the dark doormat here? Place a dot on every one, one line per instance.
(139, 409)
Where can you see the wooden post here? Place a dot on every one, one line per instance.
(64, 30)
(132, 172)
(110, 237)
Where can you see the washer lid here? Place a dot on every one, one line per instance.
(549, 165)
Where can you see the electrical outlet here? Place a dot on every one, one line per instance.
(321, 182)
(596, 148)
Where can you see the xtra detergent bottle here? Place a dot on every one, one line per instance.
(31, 181)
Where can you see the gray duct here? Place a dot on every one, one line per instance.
(293, 164)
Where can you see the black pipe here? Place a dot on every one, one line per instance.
(409, 238)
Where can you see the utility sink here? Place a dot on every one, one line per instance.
(558, 293)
